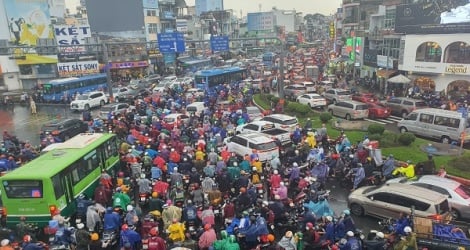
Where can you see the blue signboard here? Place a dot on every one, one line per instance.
(169, 58)
(171, 42)
(219, 43)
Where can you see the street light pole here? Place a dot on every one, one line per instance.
(107, 70)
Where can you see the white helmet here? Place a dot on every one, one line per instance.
(407, 229)
(282, 183)
(130, 208)
(276, 172)
(295, 164)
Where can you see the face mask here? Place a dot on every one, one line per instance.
(306, 228)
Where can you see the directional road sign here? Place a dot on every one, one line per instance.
(171, 42)
(219, 43)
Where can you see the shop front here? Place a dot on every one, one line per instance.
(126, 71)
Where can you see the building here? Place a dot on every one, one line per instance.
(208, 5)
(261, 22)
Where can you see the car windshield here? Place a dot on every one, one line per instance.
(362, 107)
(344, 93)
(316, 97)
(265, 146)
(82, 97)
(463, 191)
(289, 122)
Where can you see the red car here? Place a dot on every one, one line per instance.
(378, 110)
(365, 98)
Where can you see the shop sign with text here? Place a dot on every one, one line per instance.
(69, 69)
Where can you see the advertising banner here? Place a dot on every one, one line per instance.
(71, 35)
(181, 25)
(370, 57)
(436, 17)
(69, 69)
(28, 21)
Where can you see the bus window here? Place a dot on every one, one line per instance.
(58, 190)
(23, 188)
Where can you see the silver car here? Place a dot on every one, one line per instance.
(349, 110)
(458, 194)
(337, 95)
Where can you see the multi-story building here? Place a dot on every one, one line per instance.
(208, 5)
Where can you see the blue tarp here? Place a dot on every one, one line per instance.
(321, 208)
(449, 233)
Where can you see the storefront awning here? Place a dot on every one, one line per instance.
(384, 73)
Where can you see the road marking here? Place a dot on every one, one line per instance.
(375, 121)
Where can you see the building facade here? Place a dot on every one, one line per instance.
(208, 5)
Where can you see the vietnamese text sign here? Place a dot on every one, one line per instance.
(219, 43)
(171, 42)
(71, 35)
(69, 69)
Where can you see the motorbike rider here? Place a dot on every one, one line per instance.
(207, 238)
(155, 242)
(176, 178)
(131, 218)
(345, 224)
(278, 209)
(329, 227)
(111, 220)
(160, 187)
(311, 236)
(388, 167)
(377, 243)
(190, 214)
(407, 170)
(243, 200)
(408, 241)
(350, 243)
(156, 203)
(359, 176)
(275, 162)
(28, 244)
(82, 237)
(220, 244)
(170, 213)
(176, 231)
(145, 185)
(129, 239)
(288, 241)
(121, 199)
(282, 191)
(62, 235)
(147, 225)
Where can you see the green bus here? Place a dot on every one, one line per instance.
(56, 178)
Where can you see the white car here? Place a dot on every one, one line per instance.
(194, 92)
(312, 100)
(89, 100)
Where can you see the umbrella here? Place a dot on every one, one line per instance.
(399, 79)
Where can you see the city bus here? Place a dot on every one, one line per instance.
(62, 90)
(196, 64)
(269, 59)
(56, 178)
(209, 80)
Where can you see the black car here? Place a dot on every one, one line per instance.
(65, 128)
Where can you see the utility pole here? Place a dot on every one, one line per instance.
(107, 68)
(280, 83)
(354, 55)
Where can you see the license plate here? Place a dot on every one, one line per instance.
(216, 211)
(260, 191)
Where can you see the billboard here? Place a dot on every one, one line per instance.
(28, 21)
(69, 69)
(260, 21)
(71, 35)
(436, 17)
(350, 47)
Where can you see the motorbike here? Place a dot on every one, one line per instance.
(144, 199)
(111, 237)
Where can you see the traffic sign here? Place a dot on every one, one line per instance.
(171, 42)
(219, 43)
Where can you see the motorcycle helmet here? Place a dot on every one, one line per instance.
(232, 239)
(407, 229)
(4, 242)
(26, 238)
(130, 208)
(309, 225)
(121, 174)
(271, 238)
(276, 172)
(350, 233)
(124, 227)
(154, 194)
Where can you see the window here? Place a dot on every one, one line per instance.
(440, 190)
(58, 190)
(412, 117)
(152, 28)
(457, 52)
(23, 188)
(151, 13)
(252, 127)
(395, 101)
(362, 107)
(26, 69)
(384, 197)
(428, 52)
(426, 118)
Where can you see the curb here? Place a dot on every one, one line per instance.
(257, 105)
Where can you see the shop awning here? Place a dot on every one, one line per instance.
(36, 59)
(384, 73)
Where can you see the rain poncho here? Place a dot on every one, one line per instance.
(321, 208)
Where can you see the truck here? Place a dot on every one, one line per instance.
(312, 72)
(441, 233)
(267, 129)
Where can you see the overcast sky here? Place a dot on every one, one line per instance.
(325, 7)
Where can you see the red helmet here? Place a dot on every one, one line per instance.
(309, 225)
(27, 238)
(124, 227)
(121, 174)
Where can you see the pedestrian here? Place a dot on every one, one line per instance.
(32, 104)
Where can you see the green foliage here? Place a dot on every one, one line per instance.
(325, 117)
(376, 129)
(375, 137)
(460, 163)
(275, 99)
(406, 139)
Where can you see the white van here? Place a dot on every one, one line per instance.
(245, 143)
(444, 125)
(196, 108)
